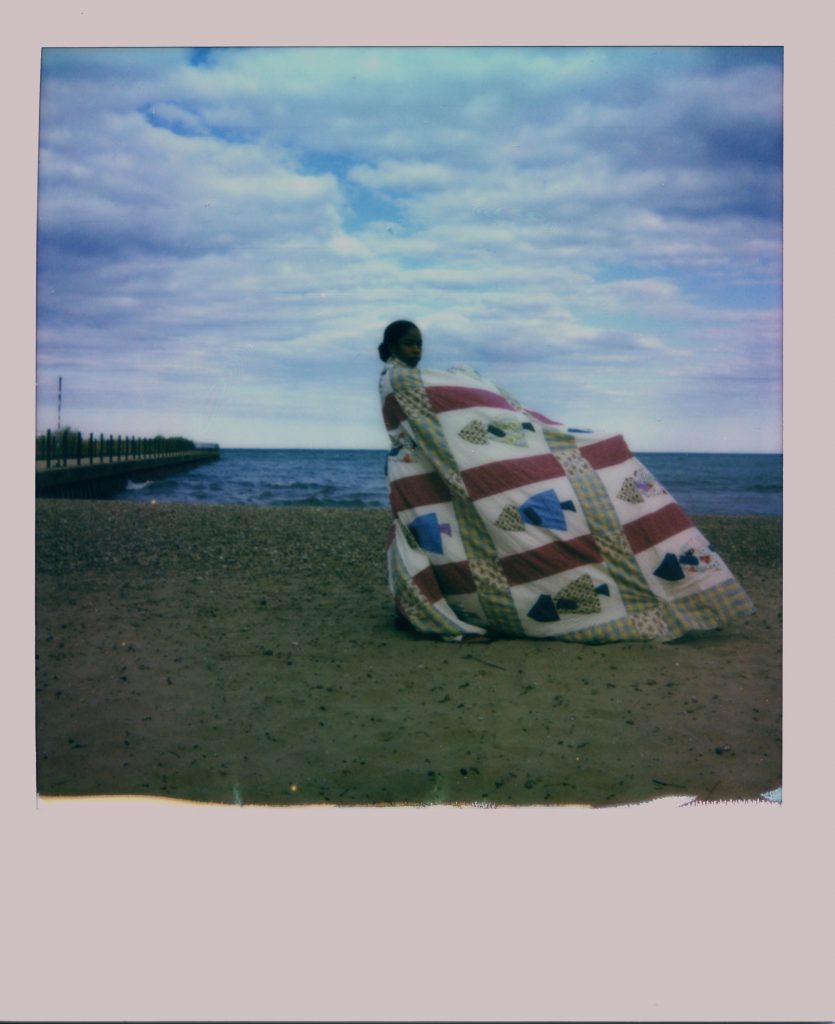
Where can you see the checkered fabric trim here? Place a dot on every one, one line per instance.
(597, 505)
(707, 609)
(725, 602)
(500, 612)
(559, 441)
(478, 543)
(574, 464)
(423, 616)
(414, 403)
(491, 582)
(606, 529)
(455, 482)
(490, 579)
(487, 574)
(636, 595)
(614, 546)
(604, 632)
(408, 387)
(652, 625)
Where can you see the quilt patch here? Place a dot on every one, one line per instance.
(522, 562)
(639, 486)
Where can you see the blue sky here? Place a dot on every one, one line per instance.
(223, 234)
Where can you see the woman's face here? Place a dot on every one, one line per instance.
(409, 347)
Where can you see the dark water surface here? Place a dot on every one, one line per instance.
(708, 484)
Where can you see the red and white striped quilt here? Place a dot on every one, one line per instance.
(510, 523)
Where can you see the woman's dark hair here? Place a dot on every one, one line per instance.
(392, 334)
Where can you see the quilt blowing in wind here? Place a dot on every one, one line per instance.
(509, 523)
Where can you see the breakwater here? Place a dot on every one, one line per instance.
(70, 466)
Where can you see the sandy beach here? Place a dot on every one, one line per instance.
(248, 655)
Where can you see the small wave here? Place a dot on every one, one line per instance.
(285, 499)
(347, 501)
(131, 485)
(320, 486)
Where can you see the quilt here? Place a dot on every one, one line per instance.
(510, 523)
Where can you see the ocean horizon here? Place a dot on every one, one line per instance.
(704, 483)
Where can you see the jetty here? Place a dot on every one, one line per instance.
(69, 466)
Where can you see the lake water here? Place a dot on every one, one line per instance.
(704, 484)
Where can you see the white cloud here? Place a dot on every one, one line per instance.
(401, 176)
(609, 213)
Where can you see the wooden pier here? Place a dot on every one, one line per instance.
(71, 467)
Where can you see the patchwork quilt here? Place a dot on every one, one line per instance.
(510, 523)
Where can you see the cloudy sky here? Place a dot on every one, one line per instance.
(223, 234)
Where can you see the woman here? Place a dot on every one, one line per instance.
(508, 523)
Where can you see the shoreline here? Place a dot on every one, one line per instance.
(246, 654)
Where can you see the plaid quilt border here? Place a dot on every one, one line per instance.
(491, 584)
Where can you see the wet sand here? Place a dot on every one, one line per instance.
(248, 655)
